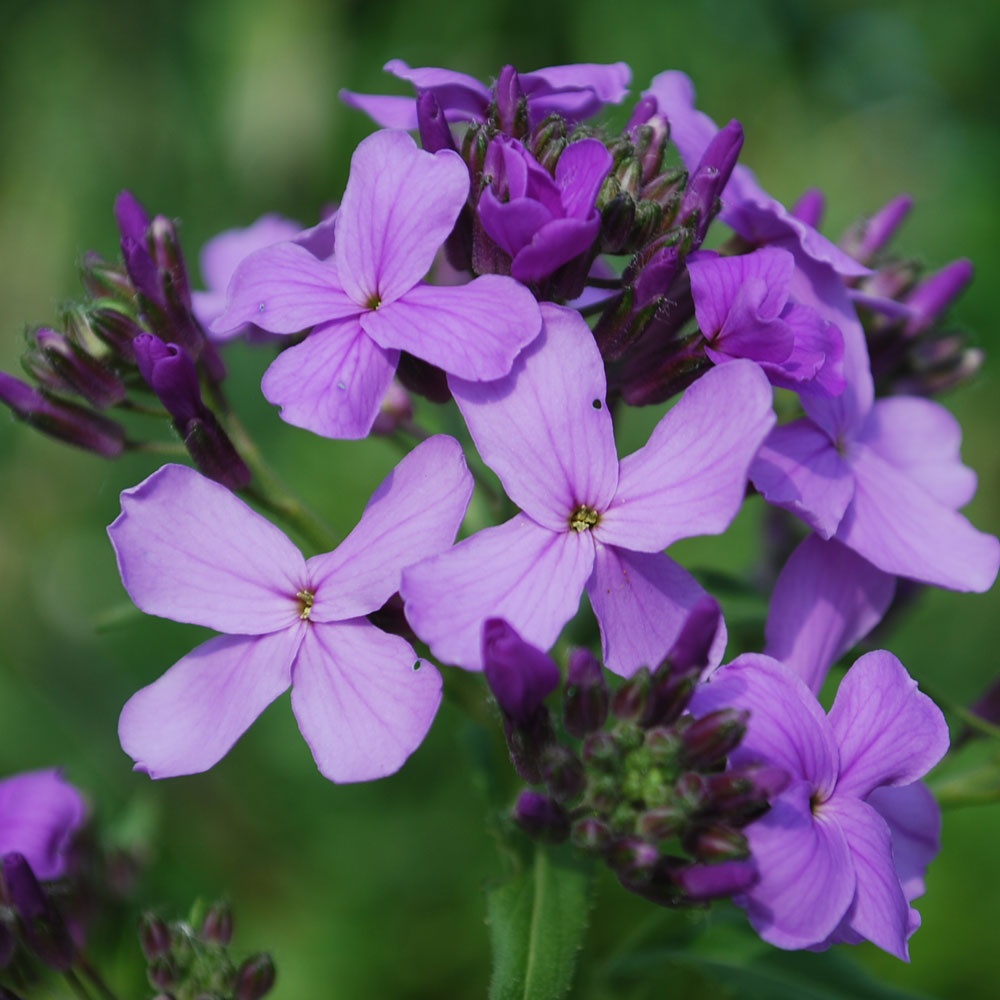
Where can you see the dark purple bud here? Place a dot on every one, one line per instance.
(255, 978)
(142, 271)
(520, 675)
(63, 421)
(154, 936)
(632, 859)
(669, 695)
(424, 379)
(162, 973)
(171, 374)
(214, 454)
(562, 773)
(435, 133)
(665, 190)
(132, 219)
(810, 207)
(935, 294)
(617, 220)
(661, 823)
(586, 699)
(116, 330)
(704, 882)
(691, 649)
(690, 792)
(541, 817)
(705, 186)
(510, 105)
(218, 924)
(548, 142)
(45, 931)
(169, 258)
(629, 701)
(709, 739)
(395, 411)
(867, 238)
(717, 842)
(62, 366)
(102, 279)
(591, 835)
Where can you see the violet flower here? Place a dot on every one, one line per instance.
(40, 812)
(824, 852)
(540, 221)
(368, 303)
(575, 92)
(744, 310)
(189, 550)
(588, 521)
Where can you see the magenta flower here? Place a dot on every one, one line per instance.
(368, 302)
(744, 310)
(575, 92)
(539, 221)
(824, 852)
(588, 521)
(191, 551)
(39, 814)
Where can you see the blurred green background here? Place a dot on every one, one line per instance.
(216, 111)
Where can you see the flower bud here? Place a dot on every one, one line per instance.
(705, 882)
(45, 931)
(102, 279)
(629, 702)
(255, 978)
(590, 835)
(691, 651)
(717, 842)
(162, 973)
(154, 936)
(632, 859)
(562, 773)
(541, 817)
(63, 367)
(585, 700)
(519, 674)
(864, 240)
(510, 107)
(661, 823)
(116, 330)
(928, 301)
(810, 207)
(617, 219)
(709, 739)
(217, 927)
(705, 186)
(435, 133)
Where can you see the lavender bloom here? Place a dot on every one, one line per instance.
(189, 550)
(588, 521)
(744, 310)
(539, 221)
(575, 92)
(368, 303)
(824, 852)
(40, 813)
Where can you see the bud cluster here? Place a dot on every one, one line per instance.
(634, 778)
(190, 960)
(135, 333)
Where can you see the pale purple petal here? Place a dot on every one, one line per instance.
(221, 255)
(690, 478)
(880, 912)
(889, 732)
(333, 382)
(452, 89)
(787, 728)
(554, 245)
(800, 470)
(902, 529)
(362, 698)
(545, 428)
(922, 439)
(399, 206)
(415, 513)
(575, 91)
(284, 289)
(189, 550)
(511, 224)
(473, 331)
(39, 813)
(816, 364)
(580, 172)
(825, 600)
(807, 880)
(915, 823)
(527, 574)
(385, 110)
(641, 601)
(189, 719)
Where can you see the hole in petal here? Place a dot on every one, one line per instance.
(596, 404)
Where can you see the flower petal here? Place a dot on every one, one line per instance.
(825, 600)
(641, 601)
(284, 289)
(690, 478)
(189, 719)
(901, 528)
(333, 382)
(915, 824)
(39, 813)
(880, 912)
(545, 429)
(807, 879)
(399, 206)
(414, 514)
(800, 470)
(527, 574)
(889, 732)
(363, 700)
(473, 331)
(189, 550)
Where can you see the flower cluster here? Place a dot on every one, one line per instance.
(543, 274)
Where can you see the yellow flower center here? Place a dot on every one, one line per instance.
(584, 518)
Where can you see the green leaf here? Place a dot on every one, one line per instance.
(537, 921)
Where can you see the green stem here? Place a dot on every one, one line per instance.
(78, 988)
(95, 977)
(171, 449)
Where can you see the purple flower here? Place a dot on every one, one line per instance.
(575, 92)
(744, 310)
(189, 550)
(824, 852)
(39, 814)
(746, 207)
(588, 521)
(368, 302)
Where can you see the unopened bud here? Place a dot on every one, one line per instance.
(586, 699)
(629, 702)
(928, 301)
(154, 936)
(541, 817)
(704, 882)
(717, 842)
(590, 835)
(632, 858)
(865, 239)
(102, 279)
(218, 924)
(116, 330)
(510, 107)
(519, 674)
(62, 366)
(45, 931)
(162, 973)
(709, 739)
(810, 208)
(435, 133)
(661, 823)
(705, 186)
(255, 978)
(562, 773)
